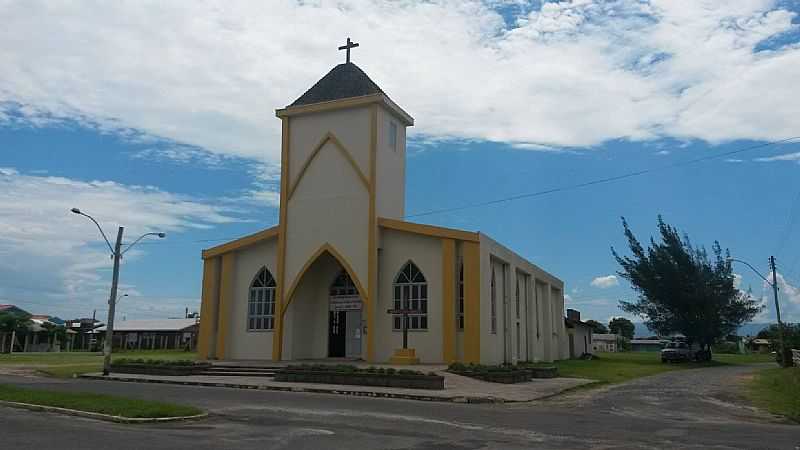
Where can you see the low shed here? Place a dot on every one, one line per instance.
(154, 334)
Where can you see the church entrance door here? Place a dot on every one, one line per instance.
(344, 329)
(345, 326)
(336, 334)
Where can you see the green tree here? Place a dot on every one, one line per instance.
(597, 327)
(17, 323)
(622, 326)
(682, 289)
(55, 333)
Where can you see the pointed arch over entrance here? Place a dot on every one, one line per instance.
(325, 248)
(320, 289)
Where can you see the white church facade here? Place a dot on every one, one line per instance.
(322, 282)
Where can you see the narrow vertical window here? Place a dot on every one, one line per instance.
(393, 136)
(493, 304)
(536, 299)
(460, 300)
(517, 299)
(411, 293)
(261, 302)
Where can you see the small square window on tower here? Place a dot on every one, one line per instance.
(393, 136)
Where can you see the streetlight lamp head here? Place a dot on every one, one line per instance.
(162, 235)
(76, 210)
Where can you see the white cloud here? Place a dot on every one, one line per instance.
(57, 261)
(605, 282)
(570, 73)
(789, 297)
(784, 157)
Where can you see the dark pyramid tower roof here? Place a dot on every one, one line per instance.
(343, 81)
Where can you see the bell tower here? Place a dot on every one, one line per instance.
(342, 167)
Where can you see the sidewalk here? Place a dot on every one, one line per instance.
(457, 388)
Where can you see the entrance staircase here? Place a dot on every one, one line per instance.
(234, 370)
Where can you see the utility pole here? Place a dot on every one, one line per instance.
(781, 347)
(112, 303)
(116, 254)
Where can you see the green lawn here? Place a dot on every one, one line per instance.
(778, 391)
(65, 364)
(624, 366)
(98, 403)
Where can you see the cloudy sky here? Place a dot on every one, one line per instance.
(160, 116)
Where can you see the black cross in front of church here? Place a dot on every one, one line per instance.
(350, 44)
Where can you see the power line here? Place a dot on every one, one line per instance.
(600, 180)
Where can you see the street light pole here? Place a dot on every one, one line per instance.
(777, 310)
(774, 285)
(112, 303)
(116, 254)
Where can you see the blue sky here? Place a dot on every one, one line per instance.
(176, 132)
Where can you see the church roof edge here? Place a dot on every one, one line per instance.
(240, 243)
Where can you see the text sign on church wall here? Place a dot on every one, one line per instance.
(345, 303)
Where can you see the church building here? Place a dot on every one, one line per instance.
(342, 274)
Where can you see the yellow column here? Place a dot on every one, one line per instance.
(448, 300)
(208, 309)
(225, 301)
(372, 275)
(472, 305)
(280, 290)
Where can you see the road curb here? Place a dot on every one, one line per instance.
(309, 389)
(99, 416)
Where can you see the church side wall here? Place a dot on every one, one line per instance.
(501, 346)
(390, 167)
(240, 343)
(396, 249)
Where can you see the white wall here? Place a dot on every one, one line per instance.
(240, 343)
(331, 202)
(396, 248)
(543, 288)
(390, 168)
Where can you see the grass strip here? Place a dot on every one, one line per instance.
(96, 403)
(778, 391)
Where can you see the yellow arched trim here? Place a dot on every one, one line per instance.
(338, 256)
(338, 144)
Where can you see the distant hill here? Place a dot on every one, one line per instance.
(749, 329)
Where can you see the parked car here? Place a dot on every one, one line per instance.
(681, 351)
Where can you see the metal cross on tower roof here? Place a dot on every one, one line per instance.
(350, 44)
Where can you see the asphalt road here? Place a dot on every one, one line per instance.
(687, 409)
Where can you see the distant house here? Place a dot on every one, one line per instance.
(154, 334)
(760, 345)
(647, 345)
(605, 342)
(36, 338)
(579, 334)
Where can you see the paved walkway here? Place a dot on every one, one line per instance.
(457, 388)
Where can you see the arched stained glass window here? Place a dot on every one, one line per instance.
(343, 286)
(411, 293)
(261, 303)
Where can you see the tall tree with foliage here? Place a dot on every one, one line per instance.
(14, 324)
(622, 327)
(597, 327)
(681, 289)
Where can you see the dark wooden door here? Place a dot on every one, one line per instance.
(337, 333)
